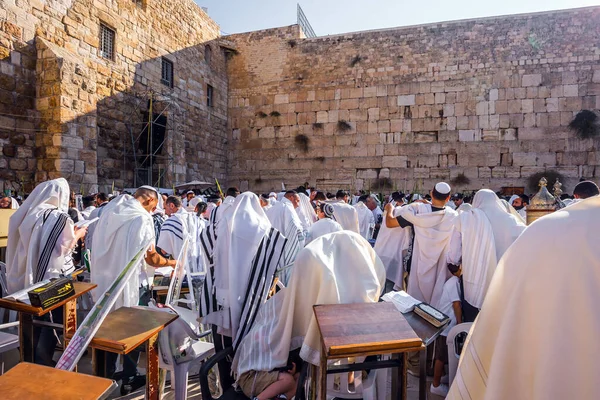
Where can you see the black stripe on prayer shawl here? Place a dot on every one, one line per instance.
(169, 223)
(174, 220)
(292, 235)
(263, 271)
(166, 229)
(208, 238)
(46, 254)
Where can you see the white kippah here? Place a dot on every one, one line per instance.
(190, 192)
(442, 188)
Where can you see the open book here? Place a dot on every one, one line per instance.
(404, 302)
(22, 296)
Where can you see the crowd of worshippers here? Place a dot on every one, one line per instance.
(442, 248)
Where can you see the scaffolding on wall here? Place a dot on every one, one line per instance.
(154, 118)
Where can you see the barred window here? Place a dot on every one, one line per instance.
(107, 42)
(209, 96)
(139, 3)
(167, 72)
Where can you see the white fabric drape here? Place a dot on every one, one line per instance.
(390, 246)
(542, 306)
(346, 216)
(433, 231)
(321, 228)
(123, 228)
(14, 204)
(505, 226)
(306, 212)
(39, 236)
(478, 254)
(246, 255)
(365, 219)
(337, 268)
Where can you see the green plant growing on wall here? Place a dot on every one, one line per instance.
(460, 180)
(275, 114)
(320, 159)
(382, 184)
(261, 114)
(357, 58)
(318, 125)
(585, 124)
(343, 126)
(302, 142)
(292, 43)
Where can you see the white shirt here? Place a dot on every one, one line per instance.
(450, 294)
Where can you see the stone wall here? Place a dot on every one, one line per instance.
(488, 100)
(75, 114)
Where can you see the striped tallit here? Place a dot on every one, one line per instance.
(53, 224)
(208, 239)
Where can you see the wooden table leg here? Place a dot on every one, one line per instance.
(152, 374)
(99, 366)
(26, 337)
(69, 322)
(399, 377)
(404, 377)
(423, 374)
(323, 375)
(312, 393)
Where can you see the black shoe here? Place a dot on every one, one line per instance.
(133, 384)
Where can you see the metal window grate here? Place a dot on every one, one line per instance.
(107, 42)
(167, 72)
(209, 96)
(304, 24)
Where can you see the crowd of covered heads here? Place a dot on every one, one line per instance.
(442, 247)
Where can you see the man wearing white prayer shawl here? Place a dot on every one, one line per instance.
(391, 246)
(284, 218)
(366, 220)
(338, 268)
(433, 225)
(41, 239)
(125, 227)
(306, 212)
(247, 253)
(345, 215)
(8, 202)
(326, 223)
(536, 337)
(179, 226)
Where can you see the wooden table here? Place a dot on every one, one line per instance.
(353, 330)
(123, 331)
(27, 312)
(428, 333)
(32, 382)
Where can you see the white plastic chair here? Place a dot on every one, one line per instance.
(453, 357)
(337, 384)
(196, 350)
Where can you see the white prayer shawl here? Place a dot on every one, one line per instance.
(512, 199)
(511, 210)
(246, 256)
(306, 212)
(506, 227)
(173, 233)
(365, 219)
(478, 254)
(123, 229)
(321, 228)
(284, 218)
(86, 213)
(338, 268)
(346, 216)
(433, 231)
(464, 207)
(541, 307)
(14, 204)
(390, 246)
(40, 234)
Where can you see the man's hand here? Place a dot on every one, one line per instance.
(80, 233)
(156, 260)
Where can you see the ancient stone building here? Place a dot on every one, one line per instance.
(77, 80)
(480, 103)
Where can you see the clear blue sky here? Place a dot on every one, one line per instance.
(329, 17)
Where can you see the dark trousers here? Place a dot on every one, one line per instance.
(131, 360)
(45, 339)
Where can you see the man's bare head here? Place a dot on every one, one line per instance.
(147, 197)
(293, 197)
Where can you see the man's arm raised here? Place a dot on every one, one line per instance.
(156, 260)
